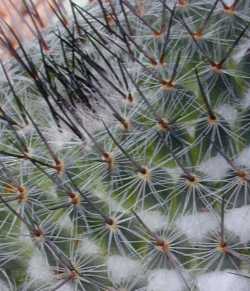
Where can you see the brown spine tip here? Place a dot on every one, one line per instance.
(244, 176)
(164, 125)
(223, 247)
(216, 67)
(73, 275)
(111, 224)
(163, 245)
(144, 173)
(168, 85)
(23, 194)
(229, 9)
(183, 3)
(191, 180)
(38, 234)
(130, 98)
(59, 166)
(153, 61)
(108, 158)
(212, 119)
(74, 198)
(162, 59)
(198, 35)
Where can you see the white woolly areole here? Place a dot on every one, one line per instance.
(222, 281)
(154, 220)
(164, 280)
(197, 226)
(229, 2)
(244, 157)
(88, 247)
(237, 221)
(122, 269)
(39, 269)
(214, 168)
(228, 112)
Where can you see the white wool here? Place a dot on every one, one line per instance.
(222, 281)
(39, 269)
(66, 287)
(165, 280)
(229, 2)
(197, 226)
(237, 221)
(25, 130)
(191, 130)
(24, 236)
(228, 112)
(246, 101)
(241, 50)
(154, 220)
(244, 157)
(88, 247)
(78, 2)
(65, 222)
(59, 139)
(51, 193)
(122, 269)
(112, 203)
(174, 172)
(3, 286)
(214, 168)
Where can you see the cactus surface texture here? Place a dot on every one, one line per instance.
(125, 146)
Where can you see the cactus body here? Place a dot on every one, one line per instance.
(125, 148)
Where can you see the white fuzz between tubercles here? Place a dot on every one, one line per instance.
(58, 139)
(228, 112)
(154, 220)
(197, 226)
(78, 2)
(66, 223)
(223, 281)
(114, 205)
(3, 286)
(66, 287)
(244, 157)
(38, 269)
(214, 168)
(123, 269)
(24, 236)
(26, 130)
(88, 247)
(237, 221)
(164, 280)
(241, 51)
(246, 101)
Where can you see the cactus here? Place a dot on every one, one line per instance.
(125, 147)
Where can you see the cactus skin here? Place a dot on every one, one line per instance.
(125, 149)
